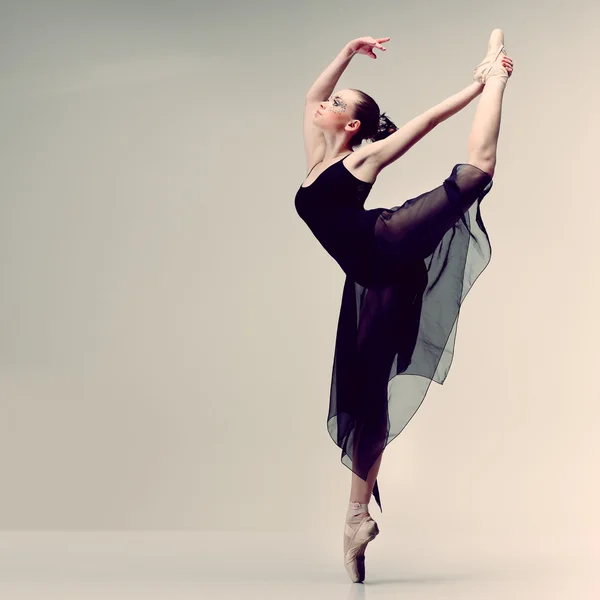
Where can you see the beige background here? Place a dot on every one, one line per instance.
(167, 321)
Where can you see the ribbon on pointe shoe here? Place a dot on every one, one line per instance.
(491, 66)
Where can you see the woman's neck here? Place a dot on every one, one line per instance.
(333, 154)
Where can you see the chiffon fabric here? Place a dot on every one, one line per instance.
(408, 270)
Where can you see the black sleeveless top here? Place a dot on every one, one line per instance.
(333, 208)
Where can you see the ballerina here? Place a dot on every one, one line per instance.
(408, 268)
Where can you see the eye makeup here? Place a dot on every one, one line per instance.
(337, 105)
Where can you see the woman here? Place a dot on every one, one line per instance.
(407, 269)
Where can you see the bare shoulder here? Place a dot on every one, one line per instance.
(363, 165)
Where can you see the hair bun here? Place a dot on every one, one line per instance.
(386, 127)
(384, 122)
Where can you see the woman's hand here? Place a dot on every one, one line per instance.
(365, 45)
(507, 63)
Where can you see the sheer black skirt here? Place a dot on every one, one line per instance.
(397, 327)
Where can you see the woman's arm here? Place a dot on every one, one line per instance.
(322, 88)
(386, 151)
(325, 84)
(314, 141)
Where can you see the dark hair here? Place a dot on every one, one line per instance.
(373, 125)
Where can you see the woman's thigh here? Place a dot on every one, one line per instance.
(413, 230)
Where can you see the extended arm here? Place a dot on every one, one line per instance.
(384, 152)
(322, 88)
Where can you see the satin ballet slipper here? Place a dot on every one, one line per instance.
(355, 544)
(491, 66)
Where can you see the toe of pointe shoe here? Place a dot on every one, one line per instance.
(356, 571)
(496, 40)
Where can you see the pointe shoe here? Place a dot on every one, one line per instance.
(355, 544)
(491, 66)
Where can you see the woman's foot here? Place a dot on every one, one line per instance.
(360, 529)
(496, 63)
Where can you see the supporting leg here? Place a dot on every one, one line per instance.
(360, 528)
(361, 490)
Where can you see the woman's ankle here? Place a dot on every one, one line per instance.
(357, 509)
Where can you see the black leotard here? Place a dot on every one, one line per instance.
(332, 207)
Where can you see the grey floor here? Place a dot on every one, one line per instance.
(246, 565)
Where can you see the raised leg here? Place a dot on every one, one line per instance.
(483, 139)
(493, 72)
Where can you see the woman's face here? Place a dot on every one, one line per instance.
(337, 112)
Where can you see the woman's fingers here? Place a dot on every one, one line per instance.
(366, 45)
(507, 63)
(377, 42)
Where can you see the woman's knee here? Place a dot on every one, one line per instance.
(487, 165)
